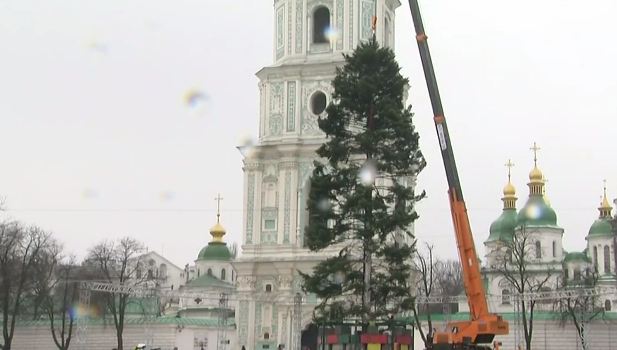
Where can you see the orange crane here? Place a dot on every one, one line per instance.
(480, 331)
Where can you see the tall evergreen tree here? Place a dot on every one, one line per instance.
(361, 199)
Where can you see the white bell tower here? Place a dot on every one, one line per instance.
(310, 38)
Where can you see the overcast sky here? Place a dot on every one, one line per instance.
(96, 141)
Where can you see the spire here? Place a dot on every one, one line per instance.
(605, 207)
(536, 178)
(218, 231)
(509, 192)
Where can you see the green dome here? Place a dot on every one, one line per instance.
(601, 227)
(503, 227)
(576, 256)
(537, 212)
(215, 251)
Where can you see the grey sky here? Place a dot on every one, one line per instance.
(73, 119)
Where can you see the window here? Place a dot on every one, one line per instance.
(266, 336)
(566, 274)
(607, 305)
(577, 273)
(509, 255)
(138, 273)
(607, 259)
(209, 272)
(538, 250)
(321, 25)
(198, 272)
(595, 257)
(223, 274)
(505, 296)
(318, 103)
(150, 274)
(554, 249)
(270, 224)
(268, 288)
(163, 271)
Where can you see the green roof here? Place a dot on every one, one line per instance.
(537, 213)
(576, 256)
(503, 227)
(508, 316)
(601, 227)
(129, 320)
(209, 281)
(215, 251)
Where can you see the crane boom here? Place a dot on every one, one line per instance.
(483, 326)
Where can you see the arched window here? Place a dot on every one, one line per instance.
(321, 24)
(566, 273)
(266, 336)
(307, 213)
(607, 259)
(607, 305)
(538, 250)
(505, 296)
(268, 288)
(595, 257)
(577, 273)
(223, 274)
(163, 271)
(554, 249)
(509, 255)
(209, 272)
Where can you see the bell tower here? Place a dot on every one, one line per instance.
(310, 38)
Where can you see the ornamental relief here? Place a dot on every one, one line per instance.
(276, 110)
(309, 120)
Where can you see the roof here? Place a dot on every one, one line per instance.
(601, 227)
(503, 227)
(209, 281)
(129, 320)
(576, 256)
(537, 213)
(215, 251)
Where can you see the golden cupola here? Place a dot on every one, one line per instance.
(509, 191)
(216, 249)
(536, 178)
(605, 207)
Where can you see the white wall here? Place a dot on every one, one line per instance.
(104, 338)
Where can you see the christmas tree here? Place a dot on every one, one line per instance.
(361, 199)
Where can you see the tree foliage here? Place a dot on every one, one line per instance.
(370, 135)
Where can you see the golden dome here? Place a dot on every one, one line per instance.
(217, 232)
(536, 175)
(509, 190)
(605, 207)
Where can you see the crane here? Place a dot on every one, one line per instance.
(480, 331)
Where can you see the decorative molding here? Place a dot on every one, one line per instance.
(305, 172)
(250, 208)
(277, 105)
(284, 329)
(366, 15)
(299, 25)
(289, 28)
(284, 281)
(340, 22)
(351, 43)
(243, 328)
(275, 321)
(287, 213)
(309, 120)
(312, 4)
(280, 33)
(258, 322)
(291, 106)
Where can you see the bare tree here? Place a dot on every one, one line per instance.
(581, 309)
(449, 280)
(57, 284)
(233, 249)
(521, 270)
(118, 262)
(425, 265)
(20, 248)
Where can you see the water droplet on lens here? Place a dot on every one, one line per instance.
(165, 196)
(88, 193)
(197, 101)
(247, 146)
(368, 173)
(324, 205)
